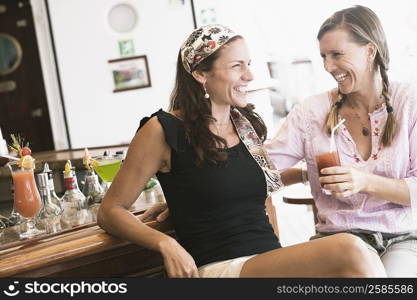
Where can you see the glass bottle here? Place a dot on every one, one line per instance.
(54, 197)
(4, 222)
(93, 192)
(73, 202)
(50, 212)
(3, 225)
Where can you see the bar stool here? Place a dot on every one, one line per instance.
(304, 201)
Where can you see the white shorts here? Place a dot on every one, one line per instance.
(224, 269)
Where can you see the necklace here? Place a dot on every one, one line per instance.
(365, 127)
(219, 126)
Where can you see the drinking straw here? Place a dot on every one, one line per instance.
(332, 142)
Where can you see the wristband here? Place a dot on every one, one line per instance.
(304, 175)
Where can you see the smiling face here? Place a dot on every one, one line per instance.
(230, 75)
(346, 60)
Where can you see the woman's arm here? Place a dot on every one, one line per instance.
(292, 176)
(345, 181)
(286, 148)
(393, 190)
(148, 153)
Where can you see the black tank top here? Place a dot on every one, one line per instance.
(218, 210)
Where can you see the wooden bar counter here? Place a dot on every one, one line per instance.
(83, 252)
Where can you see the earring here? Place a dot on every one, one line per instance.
(206, 95)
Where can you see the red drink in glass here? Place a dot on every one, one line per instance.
(27, 200)
(326, 160)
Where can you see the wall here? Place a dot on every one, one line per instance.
(43, 37)
(85, 42)
(290, 29)
(281, 31)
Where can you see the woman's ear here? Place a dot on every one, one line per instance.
(372, 50)
(199, 76)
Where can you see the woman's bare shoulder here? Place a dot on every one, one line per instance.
(150, 132)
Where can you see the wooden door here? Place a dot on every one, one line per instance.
(23, 104)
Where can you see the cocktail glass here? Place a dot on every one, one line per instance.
(27, 201)
(106, 167)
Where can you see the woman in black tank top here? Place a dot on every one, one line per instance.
(207, 153)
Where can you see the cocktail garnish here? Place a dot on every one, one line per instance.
(18, 145)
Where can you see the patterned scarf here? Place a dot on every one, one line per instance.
(202, 43)
(255, 147)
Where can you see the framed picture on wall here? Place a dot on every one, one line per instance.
(130, 73)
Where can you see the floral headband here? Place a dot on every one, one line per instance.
(203, 42)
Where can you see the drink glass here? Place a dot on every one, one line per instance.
(106, 166)
(27, 201)
(325, 154)
(3, 225)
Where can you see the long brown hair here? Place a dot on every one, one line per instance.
(364, 27)
(187, 97)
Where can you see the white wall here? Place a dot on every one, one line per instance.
(85, 42)
(290, 29)
(277, 30)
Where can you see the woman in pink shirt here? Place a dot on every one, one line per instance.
(374, 191)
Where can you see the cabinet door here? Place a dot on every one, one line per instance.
(23, 103)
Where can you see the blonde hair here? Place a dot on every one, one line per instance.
(364, 27)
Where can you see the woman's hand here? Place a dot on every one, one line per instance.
(343, 181)
(159, 212)
(178, 262)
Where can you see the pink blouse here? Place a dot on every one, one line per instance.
(359, 212)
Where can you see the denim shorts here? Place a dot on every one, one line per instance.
(377, 241)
